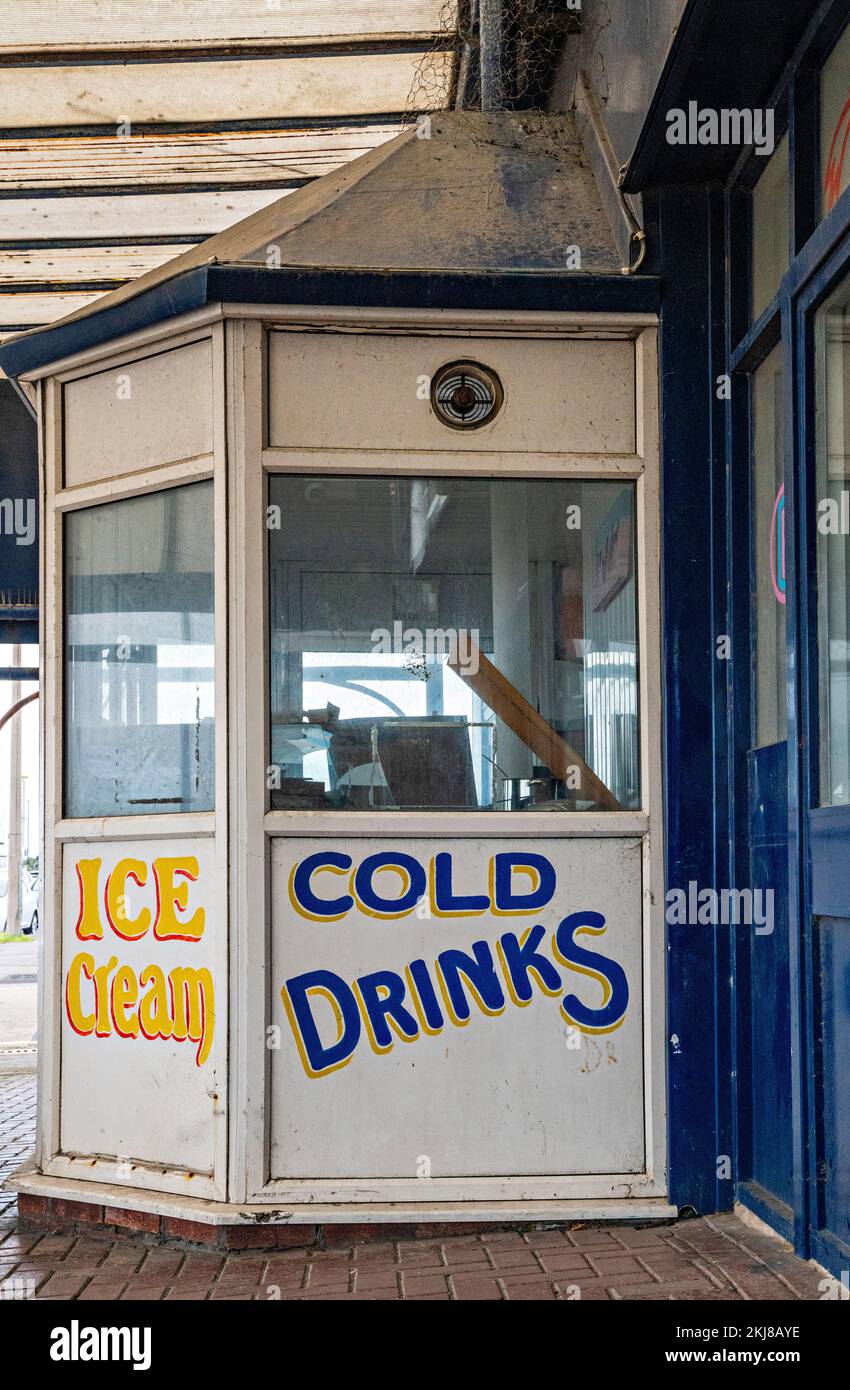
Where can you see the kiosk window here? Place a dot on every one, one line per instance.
(139, 647)
(453, 644)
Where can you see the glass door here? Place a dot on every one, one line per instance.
(766, 1111)
(829, 817)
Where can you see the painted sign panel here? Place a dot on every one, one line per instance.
(139, 1017)
(456, 1009)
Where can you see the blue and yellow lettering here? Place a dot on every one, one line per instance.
(297, 993)
(480, 975)
(608, 973)
(413, 885)
(446, 903)
(507, 903)
(301, 894)
(424, 997)
(381, 1000)
(520, 958)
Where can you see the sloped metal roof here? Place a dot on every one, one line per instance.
(463, 192)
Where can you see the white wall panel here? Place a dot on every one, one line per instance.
(354, 392)
(516, 1093)
(149, 413)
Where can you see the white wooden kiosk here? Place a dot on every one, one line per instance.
(351, 713)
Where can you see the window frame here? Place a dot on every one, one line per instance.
(461, 475)
(63, 796)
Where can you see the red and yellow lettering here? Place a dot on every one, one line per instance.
(83, 964)
(89, 926)
(172, 897)
(115, 900)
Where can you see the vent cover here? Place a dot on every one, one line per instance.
(466, 395)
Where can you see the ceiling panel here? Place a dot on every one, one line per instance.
(348, 84)
(65, 265)
(59, 24)
(133, 215)
(25, 310)
(219, 159)
(131, 128)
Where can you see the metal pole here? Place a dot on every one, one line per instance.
(13, 873)
(492, 39)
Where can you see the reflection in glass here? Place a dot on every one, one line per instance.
(835, 124)
(139, 645)
(452, 644)
(832, 338)
(771, 701)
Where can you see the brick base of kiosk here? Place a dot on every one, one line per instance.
(58, 1215)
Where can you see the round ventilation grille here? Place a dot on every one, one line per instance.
(466, 395)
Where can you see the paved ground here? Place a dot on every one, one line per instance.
(716, 1258)
(18, 990)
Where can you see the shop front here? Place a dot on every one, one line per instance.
(444, 663)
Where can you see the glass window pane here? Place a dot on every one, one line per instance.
(771, 228)
(835, 124)
(139, 647)
(453, 644)
(771, 703)
(833, 545)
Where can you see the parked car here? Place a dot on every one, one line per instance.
(30, 890)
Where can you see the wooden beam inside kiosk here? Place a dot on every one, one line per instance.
(522, 719)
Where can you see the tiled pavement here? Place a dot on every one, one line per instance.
(713, 1258)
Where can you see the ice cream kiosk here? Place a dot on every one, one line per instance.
(351, 710)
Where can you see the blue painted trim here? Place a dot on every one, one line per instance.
(823, 264)
(693, 354)
(767, 1208)
(829, 836)
(758, 340)
(738, 691)
(522, 290)
(18, 673)
(17, 630)
(827, 237)
(832, 1253)
(213, 284)
(168, 300)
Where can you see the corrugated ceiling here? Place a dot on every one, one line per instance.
(130, 130)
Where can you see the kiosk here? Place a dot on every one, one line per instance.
(351, 709)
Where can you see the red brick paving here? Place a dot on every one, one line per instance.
(708, 1258)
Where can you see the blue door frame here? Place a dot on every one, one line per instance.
(819, 839)
(706, 522)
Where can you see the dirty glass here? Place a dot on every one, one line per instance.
(139, 647)
(832, 339)
(835, 124)
(771, 699)
(452, 644)
(771, 228)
